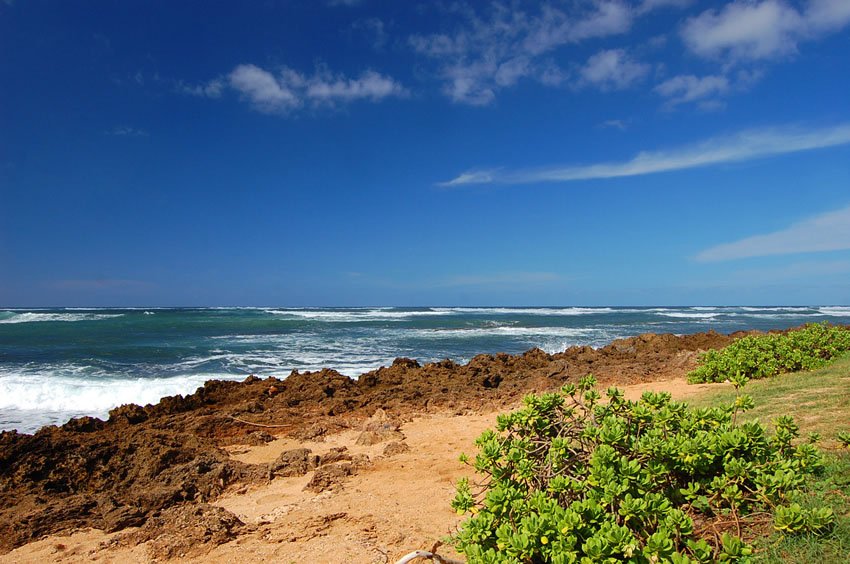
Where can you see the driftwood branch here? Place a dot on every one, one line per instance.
(259, 424)
(428, 556)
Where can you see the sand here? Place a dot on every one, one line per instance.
(389, 507)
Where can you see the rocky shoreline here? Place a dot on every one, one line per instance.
(159, 465)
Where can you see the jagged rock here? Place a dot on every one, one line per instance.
(337, 454)
(405, 363)
(186, 530)
(395, 448)
(329, 477)
(131, 413)
(378, 429)
(295, 462)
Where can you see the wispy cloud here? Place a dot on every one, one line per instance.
(826, 232)
(746, 30)
(613, 69)
(689, 88)
(287, 90)
(507, 43)
(127, 132)
(707, 91)
(743, 146)
(210, 89)
(620, 124)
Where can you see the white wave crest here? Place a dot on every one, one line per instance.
(780, 308)
(40, 399)
(835, 311)
(526, 311)
(478, 332)
(688, 315)
(32, 317)
(352, 316)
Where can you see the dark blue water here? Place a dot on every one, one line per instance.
(59, 363)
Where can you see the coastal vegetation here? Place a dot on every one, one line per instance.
(820, 402)
(573, 478)
(764, 356)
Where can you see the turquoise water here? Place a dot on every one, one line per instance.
(60, 363)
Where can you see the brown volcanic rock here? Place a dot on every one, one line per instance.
(186, 530)
(330, 477)
(142, 460)
(295, 462)
(59, 479)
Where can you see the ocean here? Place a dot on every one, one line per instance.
(60, 363)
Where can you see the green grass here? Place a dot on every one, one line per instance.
(820, 402)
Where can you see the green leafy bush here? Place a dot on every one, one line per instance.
(762, 356)
(569, 478)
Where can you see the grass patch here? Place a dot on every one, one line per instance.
(820, 403)
(819, 400)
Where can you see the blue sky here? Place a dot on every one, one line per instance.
(663, 152)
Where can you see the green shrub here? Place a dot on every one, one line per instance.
(762, 356)
(571, 479)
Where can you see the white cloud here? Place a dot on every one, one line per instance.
(289, 90)
(743, 146)
(369, 86)
(212, 89)
(124, 131)
(688, 88)
(493, 52)
(613, 70)
(745, 30)
(263, 89)
(609, 18)
(706, 91)
(474, 177)
(614, 124)
(826, 232)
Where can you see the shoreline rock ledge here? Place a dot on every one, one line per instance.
(143, 460)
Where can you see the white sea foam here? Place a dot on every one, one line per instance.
(526, 311)
(41, 399)
(352, 316)
(688, 315)
(782, 308)
(478, 332)
(31, 317)
(753, 315)
(835, 311)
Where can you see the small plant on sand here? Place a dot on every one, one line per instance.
(570, 478)
(763, 356)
